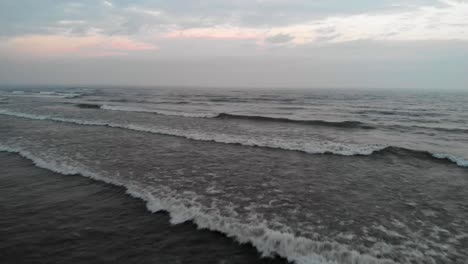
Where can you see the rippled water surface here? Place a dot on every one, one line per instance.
(312, 176)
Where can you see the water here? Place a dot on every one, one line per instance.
(52, 218)
(312, 176)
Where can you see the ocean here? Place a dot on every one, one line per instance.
(233, 175)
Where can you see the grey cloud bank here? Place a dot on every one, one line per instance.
(263, 43)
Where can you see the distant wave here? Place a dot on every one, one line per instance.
(89, 106)
(443, 129)
(268, 242)
(343, 124)
(45, 94)
(311, 147)
(337, 124)
(428, 127)
(124, 100)
(227, 100)
(61, 94)
(400, 113)
(154, 111)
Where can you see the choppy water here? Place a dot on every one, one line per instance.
(312, 176)
(52, 218)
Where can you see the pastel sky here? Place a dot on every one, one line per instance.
(236, 43)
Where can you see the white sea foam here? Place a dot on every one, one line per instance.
(45, 94)
(56, 166)
(269, 242)
(156, 111)
(458, 160)
(61, 94)
(313, 147)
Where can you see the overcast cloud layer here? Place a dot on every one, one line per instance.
(280, 43)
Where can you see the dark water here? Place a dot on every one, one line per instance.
(312, 176)
(51, 218)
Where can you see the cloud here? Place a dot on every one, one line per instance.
(447, 22)
(267, 22)
(145, 11)
(71, 22)
(108, 4)
(219, 32)
(279, 38)
(56, 45)
(126, 44)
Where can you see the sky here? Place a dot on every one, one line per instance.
(399, 44)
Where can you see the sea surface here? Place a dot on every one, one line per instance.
(48, 217)
(310, 176)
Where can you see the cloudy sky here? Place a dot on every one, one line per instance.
(236, 43)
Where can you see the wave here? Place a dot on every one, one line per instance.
(343, 124)
(460, 161)
(456, 159)
(268, 242)
(320, 147)
(426, 128)
(442, 129)
(228, 100)
(337, 124)
(46, 94)
(159, 112)
(311, 147)
(126, 100)
(88, 106)
(61, 94)
(400, 113)
(171, 102)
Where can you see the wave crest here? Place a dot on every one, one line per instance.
(458, 160)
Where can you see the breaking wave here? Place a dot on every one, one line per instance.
(312, 147)
(268, 242)
(458, 160)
